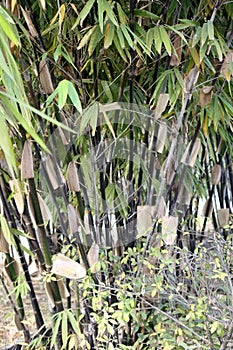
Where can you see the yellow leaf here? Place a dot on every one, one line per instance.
(205, 125)
(214, 327)
(62, 11)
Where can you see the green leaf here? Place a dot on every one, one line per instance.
(157, 39)
(149, 38)
(74, 323)
(121, 38)
(126, 35)
(9, 30)
(55, 329)
(214, 327)
(64, 329)
(210, 26)
(84, 13)
(173, 29)
(6, 230)
(119, 48)
(86, 38)
(73, 95)
(166, 40)
(146, 14)
(110, 13)
(91, 112)
(109, 34)
(219, 50)
(122, 16)
(7, 146)
(204, 34)
(100, 15)
(62, 91)
(94, 40)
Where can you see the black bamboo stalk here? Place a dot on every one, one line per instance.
(25, 330)
(34, 301)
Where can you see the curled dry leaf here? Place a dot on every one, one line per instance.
(161, 135)
(227, 69)
(161, 105)
(169, 229)
(4, 246)
(216, 174)
(205, 95)
(72, 218)
(49, 294)
(72, 177)
(45, 78)
(62, 289)
(205, 207)
(46, 214)
(17, 195)
(223, 217)
(144, 218)
(27, 171)
(190, 159)
(93, 257)
(66, 267)
(54, 173)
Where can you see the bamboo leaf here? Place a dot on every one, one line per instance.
(204, 34)
(84, 13)
(62, 91)
(122, 16)
(100, 15)
(146, 14)
(157, 39)
(86, 38)
(62, 11)
(109, 34)
(166, 40)
(210, 26)
(56, 327)
(89, 113)
(110, 12)
(64, 329)
(6, 24)
(7, 146)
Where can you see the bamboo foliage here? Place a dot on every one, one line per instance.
(116, 130)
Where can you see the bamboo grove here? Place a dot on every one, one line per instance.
(116, 173)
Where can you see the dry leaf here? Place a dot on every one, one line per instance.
(223, 217)
(227, 69)
(175, 59)
(169, 229)
(161, 137)
(72, 177)
(17, 195)
(144, 218)
(191, 79)
(49, 294)
(193, 156)
(18, 324)
(205, 95)
(93, 257)
(62, 289)
(66, 267)
(31, 27)
(54, 173)
(161, 105)
(46, 214)
(204, 210)
(45, 78)
(72, 218)
(216, 174)
(27, 171)
(4, 246)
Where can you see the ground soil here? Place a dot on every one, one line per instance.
(9, 334)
